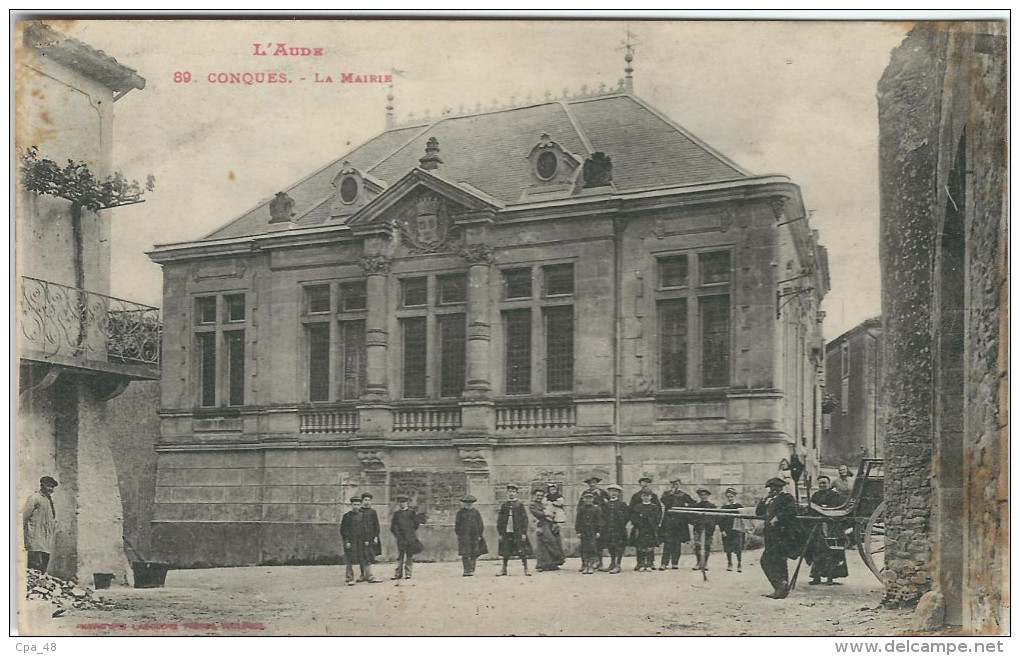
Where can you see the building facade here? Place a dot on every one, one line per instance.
(942, 121)
(853, 366)
(78, 347)
(534, 294)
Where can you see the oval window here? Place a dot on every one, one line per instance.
(547, 165)
(348, 189)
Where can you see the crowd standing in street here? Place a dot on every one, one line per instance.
(600, 523)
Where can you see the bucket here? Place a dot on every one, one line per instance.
(102, 581)
(150, 575)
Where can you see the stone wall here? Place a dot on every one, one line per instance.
(908, 101)
(133, 428)
(942, 114)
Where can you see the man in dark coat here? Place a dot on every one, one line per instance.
(599, 498)
(470, 538)
(674, 526)
(362, 538)
(347, 538)
(615, 515)
(512, 528)
(779, 509)
(704, 530)
(826, 562)
(645, 482)
(588, 525)
(404, 527)
(645, 519)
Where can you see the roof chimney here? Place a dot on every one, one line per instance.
(431, 160)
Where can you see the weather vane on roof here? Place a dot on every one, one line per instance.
(628, 45)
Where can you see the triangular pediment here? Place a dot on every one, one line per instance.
(455, 198)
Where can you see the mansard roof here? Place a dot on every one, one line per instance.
(488, 152)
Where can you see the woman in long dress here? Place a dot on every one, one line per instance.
(548, 548)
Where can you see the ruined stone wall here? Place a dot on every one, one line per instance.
(942, 115)
(908, 104)
(986, 582)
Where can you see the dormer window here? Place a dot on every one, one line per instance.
(547, 165)
(551, 165)
(349, 188)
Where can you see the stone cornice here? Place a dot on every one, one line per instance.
(617, 204)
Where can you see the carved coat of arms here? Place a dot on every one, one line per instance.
(426, 229)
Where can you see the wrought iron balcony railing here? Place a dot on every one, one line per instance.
(60, 322)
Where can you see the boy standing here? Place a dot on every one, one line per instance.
(404, 527)
(645, 518)
(615, 515)
(470, 539)
(732, 531)
(512, 525)
(704, 530)
(589, 528)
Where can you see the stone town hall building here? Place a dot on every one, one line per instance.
(528, 294)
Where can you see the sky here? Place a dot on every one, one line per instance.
(796, 99)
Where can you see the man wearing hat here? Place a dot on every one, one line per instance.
(470, 529)
(704, 530)
(347, 538)
(779, 509)
(361, 539)
(674, 526)
(404, 527)
(40, 525)
(646, 483)
(512, 528)
(615, 515)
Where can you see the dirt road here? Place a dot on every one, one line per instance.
(439, 601)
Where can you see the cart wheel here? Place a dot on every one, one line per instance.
(871, 541)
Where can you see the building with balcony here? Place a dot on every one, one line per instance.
(530, 294)
(78, 346)
(851, 419)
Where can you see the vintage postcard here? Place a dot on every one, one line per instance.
(437, 318)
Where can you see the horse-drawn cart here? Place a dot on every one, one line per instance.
(861, 517)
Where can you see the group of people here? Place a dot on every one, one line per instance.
(601, 522)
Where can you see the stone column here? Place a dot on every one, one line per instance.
(374, 414)
(377, 268)
(477, 416)
(479, 384)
